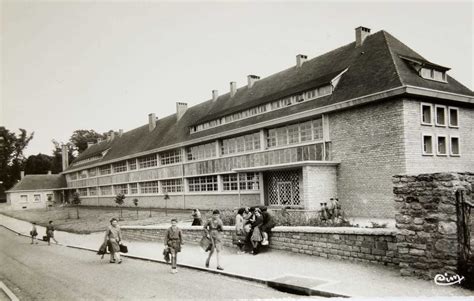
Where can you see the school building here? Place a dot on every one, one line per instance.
(337, 125)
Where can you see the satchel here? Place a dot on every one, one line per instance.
(205, 243)
(45, 238)
(123, 249)
(166, 254)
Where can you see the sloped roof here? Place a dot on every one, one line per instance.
(373, 67)
(40, 182)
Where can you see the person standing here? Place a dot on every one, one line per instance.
(268, 225)
(213, 229)
(174, 240)
(33, 233)
(50, 233)
(197, 221)
(239, 235)
(113, 238)
(256, 236)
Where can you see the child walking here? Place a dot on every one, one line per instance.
(50, 233)
(33, 233)
(173, 241)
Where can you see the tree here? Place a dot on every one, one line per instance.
(12, 160)
(135, 202)
(120, 199)
(38, 164)
(76, 201)
(80, 138)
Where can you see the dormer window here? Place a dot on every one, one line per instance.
(433, 74)
(426, 69)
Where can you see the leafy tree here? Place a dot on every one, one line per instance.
(120, 199)
(135, 202)
(38, 164)
(80, 138)
(76, 201)
(12, 159)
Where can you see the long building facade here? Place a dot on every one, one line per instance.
(338, 125)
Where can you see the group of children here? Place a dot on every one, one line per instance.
(49, 233)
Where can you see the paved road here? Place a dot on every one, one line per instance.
(42, 272)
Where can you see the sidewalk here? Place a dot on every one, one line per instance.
(325, 275)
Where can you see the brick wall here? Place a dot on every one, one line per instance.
(428, 237)
(416, 162)
(354, 244)
(319, 185)
(368, 141)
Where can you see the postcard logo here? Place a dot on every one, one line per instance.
(441, 279)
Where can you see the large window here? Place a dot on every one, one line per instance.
(249, 181)
(120, 166)
(92, 191)
(106, 190)
(132, 164)
(83, 174)
(241, 144)
(92, 172)
(202, 151)
(229, 182)
(147, 161)
(73, 176)
(172, 185)
(170, 157)
(295, 133)
(104, 170)
(149, 187)
(82, 191)
(208, 183)
(122, 188)
(133, 188)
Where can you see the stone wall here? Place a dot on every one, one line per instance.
(426, 217)
(353, 244)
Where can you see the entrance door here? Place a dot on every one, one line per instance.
(282, 188)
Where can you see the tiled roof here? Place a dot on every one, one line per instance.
(39, 182)
(375, 66)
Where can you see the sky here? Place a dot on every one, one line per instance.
(103, 65)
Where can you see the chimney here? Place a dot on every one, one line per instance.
(120, 132)
(89, 144)
(22, 174)
(215, 95)
(49, 172)
(181, 108)
(112, 135)
(252, 79)
(300, 59)
(151, 121)
(65, 158)
(233, 88)
(361, 34)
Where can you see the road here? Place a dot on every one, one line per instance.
(42, 272)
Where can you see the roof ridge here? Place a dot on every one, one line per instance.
(387, 43)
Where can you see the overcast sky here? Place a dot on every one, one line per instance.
(105, 65)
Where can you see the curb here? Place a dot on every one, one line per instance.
(299, 290)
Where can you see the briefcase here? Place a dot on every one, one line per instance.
(123, 249)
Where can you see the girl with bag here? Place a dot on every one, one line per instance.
(213, 229)
(173, 242)
(113, 239)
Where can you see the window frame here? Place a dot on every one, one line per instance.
(34, 198)
(436, 107)
(451, 146)
(449, 117)
(423, 144)
(172, 185)
(424, 104)
(445, 145)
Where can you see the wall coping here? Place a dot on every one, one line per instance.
(324, 230)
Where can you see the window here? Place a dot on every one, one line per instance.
(318, 129)
(83, 174)
(271, 138)
(147, 161)
(454, 146)
(427, 145)
(440, 115)
(170, 157)
(229, 182)
(73, 176)
(426, 114)
(120, 166)
(50, 197)
(241, 144)
(433, 74)
(442, 149)
(82, 191)
(173, 185)
(149, 187)
(249, 181)
(305, 131)
(133, 188)
(92, 191)
(37, 198)
(106, 190)
(92, 172)
(132, 164)
(122, 188)
(453, 117)
(208, 183)
(24, 198)
(295, 133)
(202, 151)
(104, 170)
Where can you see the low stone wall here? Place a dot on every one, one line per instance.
(354, 244)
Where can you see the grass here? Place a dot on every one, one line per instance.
(95, 219)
